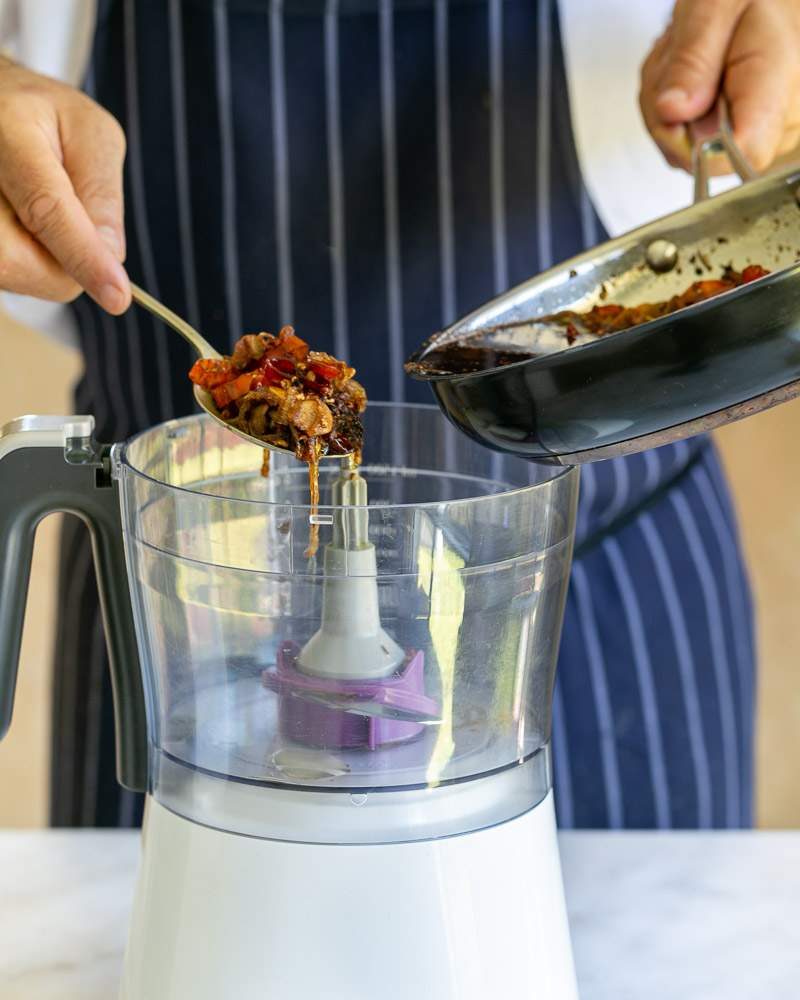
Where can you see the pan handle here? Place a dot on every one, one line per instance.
(711, 136)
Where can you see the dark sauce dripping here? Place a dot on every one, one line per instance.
(462, 358)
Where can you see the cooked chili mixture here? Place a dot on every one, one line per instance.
(612, 318)
(473, 354)
(278, 390)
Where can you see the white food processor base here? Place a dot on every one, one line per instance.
(460, 918)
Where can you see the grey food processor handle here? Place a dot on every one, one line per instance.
(51, 464)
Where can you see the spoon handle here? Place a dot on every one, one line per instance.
(198, 342)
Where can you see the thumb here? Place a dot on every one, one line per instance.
(692, 70)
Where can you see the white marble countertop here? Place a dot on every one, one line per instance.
(654, 916)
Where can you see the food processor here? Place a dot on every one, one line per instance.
(346, 757)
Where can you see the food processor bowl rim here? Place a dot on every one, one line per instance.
(120, 459)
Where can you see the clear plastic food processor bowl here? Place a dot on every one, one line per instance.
(394, 687)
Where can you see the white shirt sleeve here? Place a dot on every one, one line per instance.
(49, 36)
(605, 44)
(9, 26)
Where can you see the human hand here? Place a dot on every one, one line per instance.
(61, 228)
(747, 49)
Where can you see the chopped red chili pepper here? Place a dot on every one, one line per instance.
(287, 343)
(211, 372)
(268, 373)
(284, 365)
(752, 272)
(324, 371)
(233, 390)
(611, 311)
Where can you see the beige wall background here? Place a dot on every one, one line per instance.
(762, 459)
(31, 362)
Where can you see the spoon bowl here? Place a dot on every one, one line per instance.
(202, 396)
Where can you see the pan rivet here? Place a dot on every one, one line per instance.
(661, 255)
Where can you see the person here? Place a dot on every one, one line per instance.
(368, 170)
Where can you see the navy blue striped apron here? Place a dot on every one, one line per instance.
(368, 170)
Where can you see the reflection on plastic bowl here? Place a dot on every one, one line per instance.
(308, 765)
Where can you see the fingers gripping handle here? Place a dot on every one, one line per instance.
(712, 136)
(50, 464)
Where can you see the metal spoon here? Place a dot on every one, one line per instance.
(204, 350)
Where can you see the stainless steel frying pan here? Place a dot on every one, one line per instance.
(703, 366)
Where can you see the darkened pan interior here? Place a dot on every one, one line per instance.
(664, 380)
